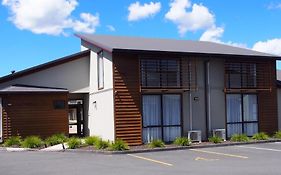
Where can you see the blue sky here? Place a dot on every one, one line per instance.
(30, 37)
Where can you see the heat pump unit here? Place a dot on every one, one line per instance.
(195, 136)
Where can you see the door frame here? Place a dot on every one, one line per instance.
(79, 105)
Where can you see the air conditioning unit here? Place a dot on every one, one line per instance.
(219, 133)
(195, 136)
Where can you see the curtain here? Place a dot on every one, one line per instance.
(234, 114)
(250, 114)
(151, 117)
(171, 116)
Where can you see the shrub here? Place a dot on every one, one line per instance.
(182, 141)
(91, 140)
(74, 143)
(101, 144)
(32, 142)
(277, 135)
(55, 139)
(13, 141)
(240, 138)
(119, 145)
(260, 136)
(215, 139)
(156, 144)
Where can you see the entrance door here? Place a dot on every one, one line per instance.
(1, 133)
(75, 118)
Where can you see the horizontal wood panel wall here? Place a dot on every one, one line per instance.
(268, 113)
(34, 114)
(128, 123)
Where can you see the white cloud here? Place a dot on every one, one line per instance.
(272, 46)
(138, 11)
(51, 17)
(197, 18)
(111, 28)
(212, 34)
(274, 6)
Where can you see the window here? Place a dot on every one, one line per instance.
(241, 75)
(160, 73)
(59, 104)
(161, 117)
(100, 70)
(242, 114)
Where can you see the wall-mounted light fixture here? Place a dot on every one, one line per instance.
(196, 98)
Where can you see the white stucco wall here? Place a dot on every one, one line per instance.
(101, 104)
(73, 76)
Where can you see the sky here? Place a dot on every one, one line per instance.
(33, 32)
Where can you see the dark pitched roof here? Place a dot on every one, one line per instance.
(115, 43)
(18, 88)
(45, 66)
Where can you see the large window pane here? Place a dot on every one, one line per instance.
(171, 109)
(250, 108)
(150, 134)
(171, 133)
(234, 108)
(250, 128)
(151, 110)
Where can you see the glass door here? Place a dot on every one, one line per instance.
(75, 118)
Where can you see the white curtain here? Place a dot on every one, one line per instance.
(250, 114)
(151, 117)
(171, 116)
(234, 114)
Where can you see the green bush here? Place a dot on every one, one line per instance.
(32, 142)
(240, 138)
(13, 141)
(215, 139)
(119, 145)
(55, 139)
(74, 143)
(260, 136)
(101, 144)
(91, 140)
(277, 135)
(156, 144)
(182, 141)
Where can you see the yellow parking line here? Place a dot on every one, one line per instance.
(221, 154)
(151, 160)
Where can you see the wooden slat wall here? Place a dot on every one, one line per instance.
(128, 124)
(33, 114)
(268, 115)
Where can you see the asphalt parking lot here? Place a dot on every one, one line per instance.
(247, 159)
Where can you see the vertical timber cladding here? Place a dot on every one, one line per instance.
(127, 98)
(268, 115)
(34, 114)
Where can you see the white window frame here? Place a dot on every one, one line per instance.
(100, 69)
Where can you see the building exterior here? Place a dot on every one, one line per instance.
(139, 89)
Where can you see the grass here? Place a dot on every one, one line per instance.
(101, 144)
(240, 138)
(32, 142)
(55, 139)
(260, 136)
(182, 141)
(13, 141)
(91, 140)
(277, 135)
(158, 143)
(74, 143)
(119, 145)
(215, 139)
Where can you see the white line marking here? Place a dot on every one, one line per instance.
(221, 154)
(265, 149)
(151, 160)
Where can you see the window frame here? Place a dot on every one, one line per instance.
(162, 70)
(162, 125)
(243, 122)
(100, 70)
